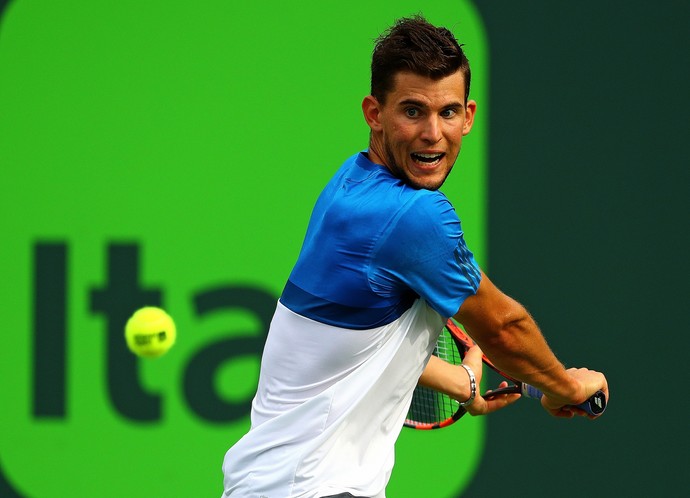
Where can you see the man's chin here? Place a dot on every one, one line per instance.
(423, 186)
(429, 180)
(424, 183)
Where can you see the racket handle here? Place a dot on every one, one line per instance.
(595, 405)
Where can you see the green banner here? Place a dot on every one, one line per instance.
(169, 153)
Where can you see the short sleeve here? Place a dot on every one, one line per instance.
(424, 250)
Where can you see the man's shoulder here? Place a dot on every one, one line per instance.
(373, 185)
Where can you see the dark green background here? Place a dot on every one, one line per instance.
(589, 190)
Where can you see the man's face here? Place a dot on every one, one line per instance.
(417, 134)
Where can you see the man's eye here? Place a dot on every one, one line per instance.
(449, 113)
(411, 112)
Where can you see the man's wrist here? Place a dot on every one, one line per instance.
(473, 386)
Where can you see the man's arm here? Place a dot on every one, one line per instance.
(511, 338)
(454, 381)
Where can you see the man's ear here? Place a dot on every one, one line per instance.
(470, 111)
(371, 108)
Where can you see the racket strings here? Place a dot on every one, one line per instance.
(429, 406)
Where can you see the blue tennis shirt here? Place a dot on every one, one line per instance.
(373, 246)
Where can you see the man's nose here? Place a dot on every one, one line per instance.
(432, 130)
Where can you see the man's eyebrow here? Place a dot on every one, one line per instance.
(419, 103)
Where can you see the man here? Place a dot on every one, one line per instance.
(383, 265)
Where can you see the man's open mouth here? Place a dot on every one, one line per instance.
(427, 158)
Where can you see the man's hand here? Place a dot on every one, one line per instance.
(481, 406)
(590, 382)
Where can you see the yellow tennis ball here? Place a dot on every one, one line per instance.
(150, 332)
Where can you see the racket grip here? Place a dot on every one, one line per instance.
(595, 405)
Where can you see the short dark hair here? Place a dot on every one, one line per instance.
(413, 44)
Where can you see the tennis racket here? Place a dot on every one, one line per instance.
(431, 409)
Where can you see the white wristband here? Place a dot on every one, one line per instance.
(473, 386)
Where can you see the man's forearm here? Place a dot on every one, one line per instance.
(511, 338)
(519, 349)
(446, 378)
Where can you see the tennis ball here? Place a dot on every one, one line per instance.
(150, 332)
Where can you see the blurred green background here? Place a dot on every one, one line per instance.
(169, 153)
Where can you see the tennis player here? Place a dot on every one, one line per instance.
(382, 266)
